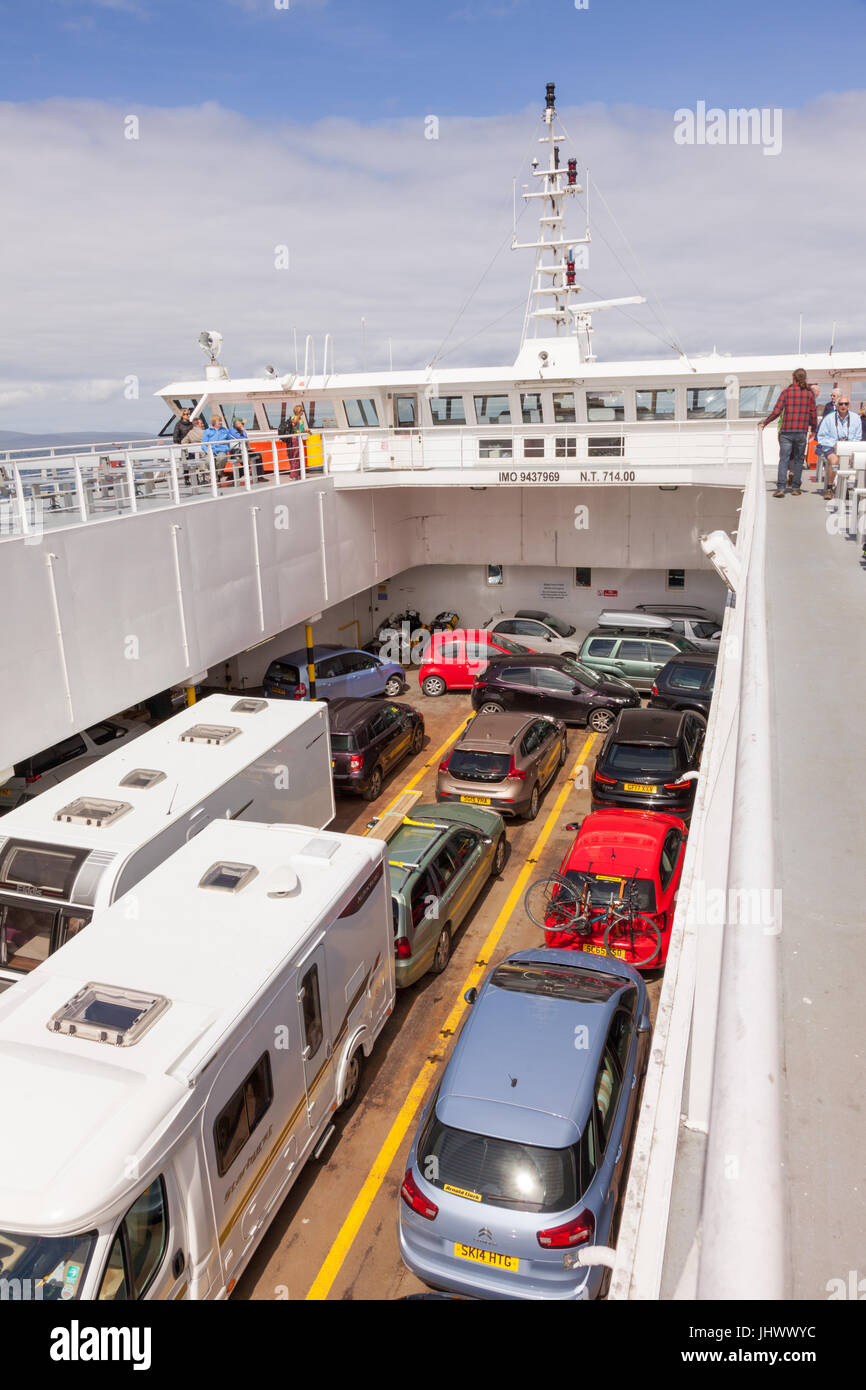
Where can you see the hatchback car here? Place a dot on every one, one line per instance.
(537, 630)
(522, 1153)
(505, 761)
(555, 686)
(439, 860)
(614, 849)
(636, 657)
(454, 659)
(42, 770)
(368, 739)
(341, 672)
(686, 682)
(649, 761)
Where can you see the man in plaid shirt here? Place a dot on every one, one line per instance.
(800, 417)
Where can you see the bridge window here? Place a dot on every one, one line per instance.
(757, 401)
(563, 407)
(494, 449)
(655, 405)
(605, 446)
(244, 411)
(604, 405)
(492, 410)
(566, 448)
(404, 411)
(361, 413)
(322, 415)
(533, 448)
(447, 410)
(278, 412)
(705, 403)
(530, 405)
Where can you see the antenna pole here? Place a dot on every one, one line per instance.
(800, 337)
(832, 338)
(295, 332)
(363, 344)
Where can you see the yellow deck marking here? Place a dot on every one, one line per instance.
(335, 1257)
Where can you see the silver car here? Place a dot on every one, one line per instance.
(522, 1153)
(537, 630)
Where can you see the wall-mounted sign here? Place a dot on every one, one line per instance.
(553, 590)
(607, 593)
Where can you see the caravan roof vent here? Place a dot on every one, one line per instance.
(249, 706)
(92, 810)
(142, 778)
(209, 733)
(318, 851)
(109, 1014)
(228, 878)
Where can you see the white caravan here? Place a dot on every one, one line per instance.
(80, 845)
(172, 1068)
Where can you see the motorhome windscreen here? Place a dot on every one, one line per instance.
(44, 1267)
(34, 868)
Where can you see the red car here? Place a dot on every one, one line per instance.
(613, 850)
(455, 658)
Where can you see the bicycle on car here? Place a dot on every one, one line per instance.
(567, 906)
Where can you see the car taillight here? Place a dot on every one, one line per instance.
(600, 777)
(675, 786)
(514, 774)
(34, 777)
(443, 766)
(356, 762)
(414, 1198)
(576, 1232)
(655, 689)
(402, 947)
(300, 691)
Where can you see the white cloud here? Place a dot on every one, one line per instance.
(118, 252)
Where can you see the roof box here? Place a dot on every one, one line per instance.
(643, 622)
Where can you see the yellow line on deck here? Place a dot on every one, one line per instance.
(335, 1257)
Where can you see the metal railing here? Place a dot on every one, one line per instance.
(714, 1067)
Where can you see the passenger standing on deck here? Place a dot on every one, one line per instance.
(801, 416)
(842, 424)
(293, 427)
(833, 401)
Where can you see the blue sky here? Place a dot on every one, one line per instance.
(374, 59)
(263, 127)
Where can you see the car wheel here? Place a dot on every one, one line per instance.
(374, 786)
(499, 857)
(393, 687)
(442, 954)
(417, 738)
(491, 707)
(353, 1078)
(532, 808)
(601, 720)
(433, 685)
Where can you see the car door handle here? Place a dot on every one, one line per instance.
(618, 1156)
(634, 1081)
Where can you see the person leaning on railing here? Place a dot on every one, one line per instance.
(800, 417)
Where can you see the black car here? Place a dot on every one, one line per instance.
(685, 683)
(368, 739)
(554, 685)
(645, 758)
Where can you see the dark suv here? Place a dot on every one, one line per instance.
(554, 685)
(685, 683)
(645, 758)
(368, 739)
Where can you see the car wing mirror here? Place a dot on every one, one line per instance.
(573, 825)
(471, 995)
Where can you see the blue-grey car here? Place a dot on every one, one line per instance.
(521, 1155)
(341, 673)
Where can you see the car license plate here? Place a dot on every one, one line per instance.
(486, 1257)
(637, 787)
(277, 690)
(602, 951)
(477, 800)
(5, 791)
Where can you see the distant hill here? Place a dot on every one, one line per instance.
(16, 439)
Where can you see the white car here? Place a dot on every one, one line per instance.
(540, 632)
(32, 775)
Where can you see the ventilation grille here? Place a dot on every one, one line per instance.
(228, 878)
(142, 778)
(92, 810)
(108, 1014)
(213, 734)
(249, 706)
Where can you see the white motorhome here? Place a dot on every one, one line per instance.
(80, 845)
(165, 1100)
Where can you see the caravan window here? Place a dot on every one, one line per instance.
(47, 869)
(237, 1120)
(137, 1249)
(313, 1031)
(25, 935)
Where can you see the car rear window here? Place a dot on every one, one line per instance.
(478, 766)
(631, 759)
(280, 671)
(690, 677)
(506, 645)
(499, 1171)
(604, 887)
(343, 743)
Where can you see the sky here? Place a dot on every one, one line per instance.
(265, 168)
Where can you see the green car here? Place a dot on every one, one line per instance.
(630, 655)
(439, 860)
